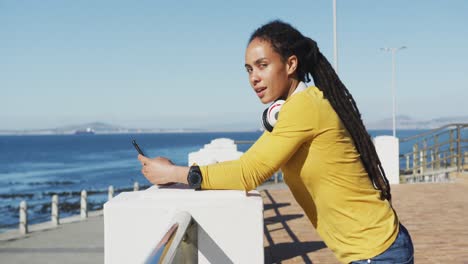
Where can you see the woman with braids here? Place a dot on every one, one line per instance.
(319, 142)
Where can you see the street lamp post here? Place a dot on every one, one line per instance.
(393, 51)
(335, 44)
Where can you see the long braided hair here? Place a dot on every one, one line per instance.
(288, 41)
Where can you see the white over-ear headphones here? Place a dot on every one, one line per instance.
(270, 115)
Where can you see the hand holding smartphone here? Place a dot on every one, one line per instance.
(142, 153)
(138, 148)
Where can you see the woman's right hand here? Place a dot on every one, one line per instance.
(157, 170)
(162, 171)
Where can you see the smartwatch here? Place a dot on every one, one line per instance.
(194, 177)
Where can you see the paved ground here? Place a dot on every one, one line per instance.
(435, 214)
(79, 242)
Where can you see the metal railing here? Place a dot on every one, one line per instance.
(74, 201)
(435, 154)
(179, 244)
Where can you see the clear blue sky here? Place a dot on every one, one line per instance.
(154, 64)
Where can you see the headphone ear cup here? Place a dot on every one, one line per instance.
(265, 123)
(270, 115)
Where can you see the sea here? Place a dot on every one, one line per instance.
(33, 168)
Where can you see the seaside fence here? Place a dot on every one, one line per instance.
(67, 203)
(77, 202)
(436, 156)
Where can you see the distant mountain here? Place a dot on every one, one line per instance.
(102, 128)
(403, 122)
(95, 126)
(407, 122)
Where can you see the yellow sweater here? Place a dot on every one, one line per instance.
(323, 169)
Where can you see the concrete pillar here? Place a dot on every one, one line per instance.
(111, 193)
(387, 148)
(218, 150)
(136, 187)
(55, 210)
(23, 218)
(84, 204)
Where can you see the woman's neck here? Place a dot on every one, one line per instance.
(292, 87)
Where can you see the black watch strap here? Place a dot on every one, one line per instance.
(194, 177)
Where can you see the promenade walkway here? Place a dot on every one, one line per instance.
(78, 242)
(435, 214)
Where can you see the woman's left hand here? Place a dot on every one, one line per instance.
(157, 170)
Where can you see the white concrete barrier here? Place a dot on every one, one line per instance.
(23, 220)
(388, 149)
(218, 150)
(229, 223)
(84, 204)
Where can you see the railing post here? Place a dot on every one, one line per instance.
(432, 160)
(451, 153)
(459, 153)
(415, 159)
(436, 152)
(84, 204)
(111, 193)
(276, 177)
(421, 162)
(407, 162)
(136, 187)
(55, 210)
(438, 161)
(465, 162)
(23, 218)
(445, 160)
(424, 152)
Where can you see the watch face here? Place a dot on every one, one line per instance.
(195, 179)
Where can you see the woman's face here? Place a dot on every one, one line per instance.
(268, 74)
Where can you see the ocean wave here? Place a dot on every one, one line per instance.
(74, 168)
(16, 195)
(43, 183)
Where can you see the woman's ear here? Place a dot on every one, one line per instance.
(291, 64)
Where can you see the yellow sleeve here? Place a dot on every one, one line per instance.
(296, 123)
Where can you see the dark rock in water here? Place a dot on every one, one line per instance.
(52, 183)
(16, 195)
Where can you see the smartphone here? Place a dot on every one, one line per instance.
(138, 148)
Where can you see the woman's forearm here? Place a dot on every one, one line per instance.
(180, 173)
